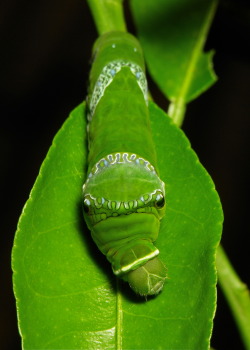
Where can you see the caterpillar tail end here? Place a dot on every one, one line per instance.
(148, 279)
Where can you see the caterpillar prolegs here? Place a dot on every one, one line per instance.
(123, 196)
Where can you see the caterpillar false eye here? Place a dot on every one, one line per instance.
(122, 179)
(160, 202)
(86, 206)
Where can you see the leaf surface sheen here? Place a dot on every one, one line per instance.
(172, 34)
(67, 296)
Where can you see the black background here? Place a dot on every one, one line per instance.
(45, 47)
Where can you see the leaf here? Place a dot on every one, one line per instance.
(172, 34)
(67, 296)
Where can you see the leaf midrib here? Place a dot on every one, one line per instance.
(119, 316)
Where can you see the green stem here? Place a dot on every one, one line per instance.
(176, 111)
(108, 15)
(236, 293)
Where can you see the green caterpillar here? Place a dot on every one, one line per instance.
(123, 197)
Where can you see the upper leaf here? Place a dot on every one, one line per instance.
(67, 296)
(172, 34)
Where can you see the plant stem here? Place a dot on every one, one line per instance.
(236, 293)
(176, 111)
(108, 15)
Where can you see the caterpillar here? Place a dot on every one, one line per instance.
(123, 196)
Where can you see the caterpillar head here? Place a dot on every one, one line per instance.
(147, 279)
(123, 202)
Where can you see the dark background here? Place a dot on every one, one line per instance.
(45, 48)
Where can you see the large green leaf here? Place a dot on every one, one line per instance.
(67, 296)
(172, 34)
